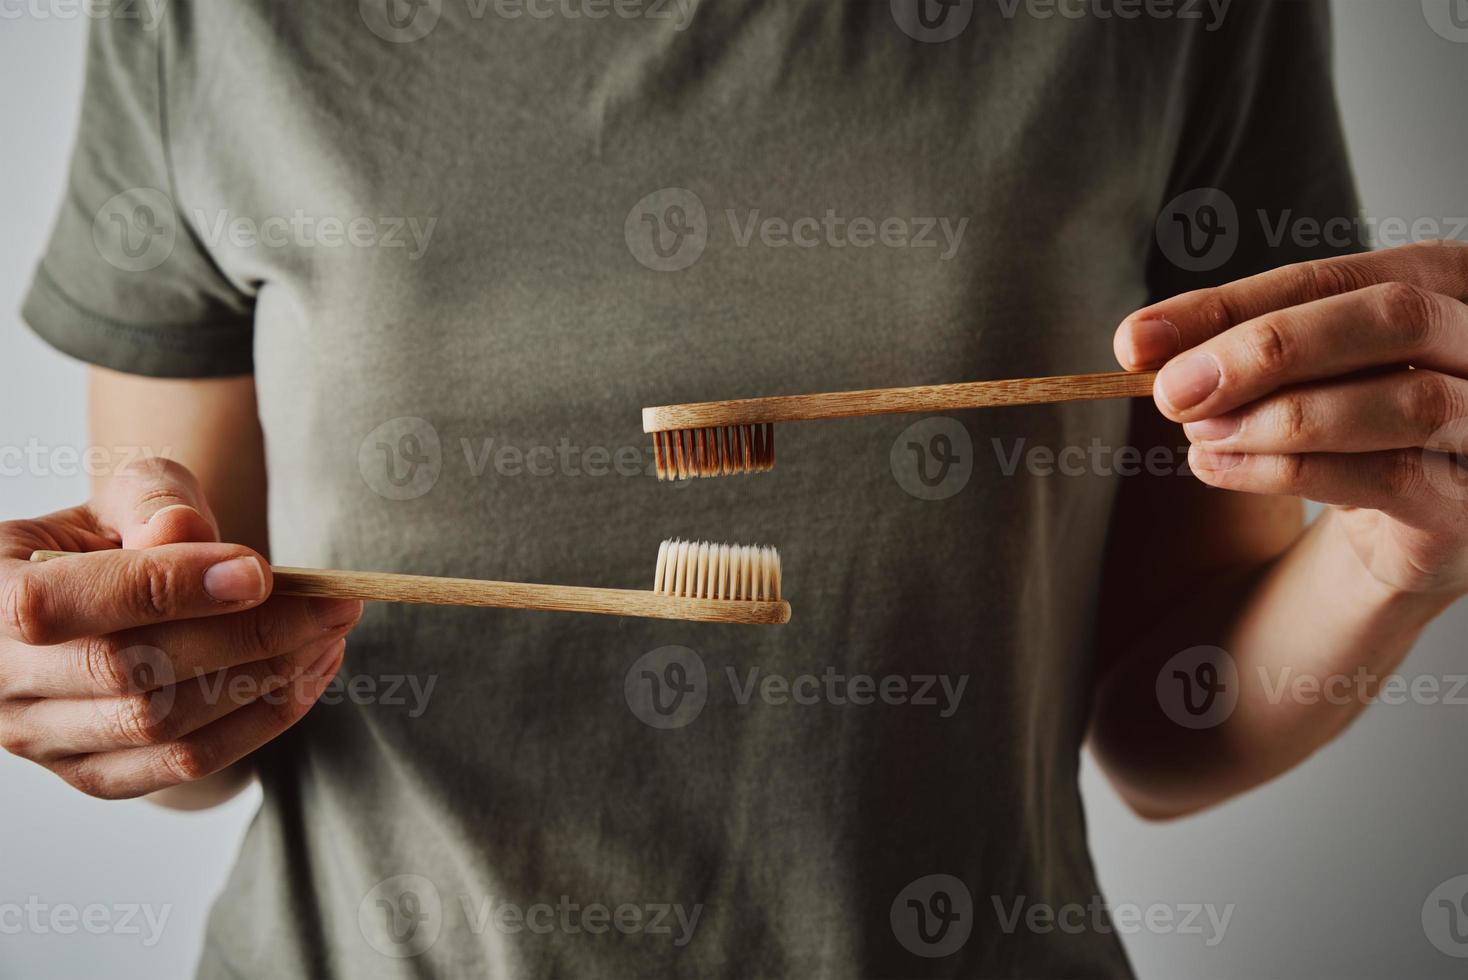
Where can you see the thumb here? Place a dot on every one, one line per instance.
(155, 501)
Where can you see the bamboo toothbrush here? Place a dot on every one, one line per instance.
(699, 581)
(720, 438)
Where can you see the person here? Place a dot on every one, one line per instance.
(422, 264)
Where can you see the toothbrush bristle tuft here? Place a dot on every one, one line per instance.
(721, 450)
(704, 570)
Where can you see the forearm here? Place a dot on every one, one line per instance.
(1312, 636)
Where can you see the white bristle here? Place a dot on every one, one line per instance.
(704, 570)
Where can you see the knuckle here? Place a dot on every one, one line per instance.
(184, 762)
(281, 669)
(105, 665)
(263, 633)
(161, 495)
(1294, 419)
(1409, 311)
(140, 722)
(1433, 400)
(1293, 473)
(1402, 475)
(1216, 310)
(1268, 347)
(17, 738)
(281, 706)
(153, 593)
(1323, 279)
(91, 779)
(155, 469)
(25, 609)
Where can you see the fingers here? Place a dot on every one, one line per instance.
(1379, 326)
(1407, 484)
(1398, 410)
(1149, 337)
(132, 772)
(45, 603)
(153, 657)
(73, 529)
(155, 501)
(48, 729)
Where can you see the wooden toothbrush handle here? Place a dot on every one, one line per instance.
(895, 401)
(393, 587)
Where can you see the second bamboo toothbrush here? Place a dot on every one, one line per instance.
(697, 581)
(724, 437)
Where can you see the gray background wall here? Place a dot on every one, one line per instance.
(1327, 870)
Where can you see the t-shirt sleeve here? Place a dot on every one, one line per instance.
(1261, 176)
(124, 282)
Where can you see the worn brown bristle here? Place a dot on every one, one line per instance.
(703, 570)
(714, 451)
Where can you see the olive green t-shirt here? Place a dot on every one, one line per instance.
(461, 243)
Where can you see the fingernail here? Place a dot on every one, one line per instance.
(333, 614)
(171, 507)
(1212, 430)
(237, 580)
(1188, 380)
(326, 663)
(1151, 341)
(1202, 459)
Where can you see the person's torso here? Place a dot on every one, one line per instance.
(478, 253)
